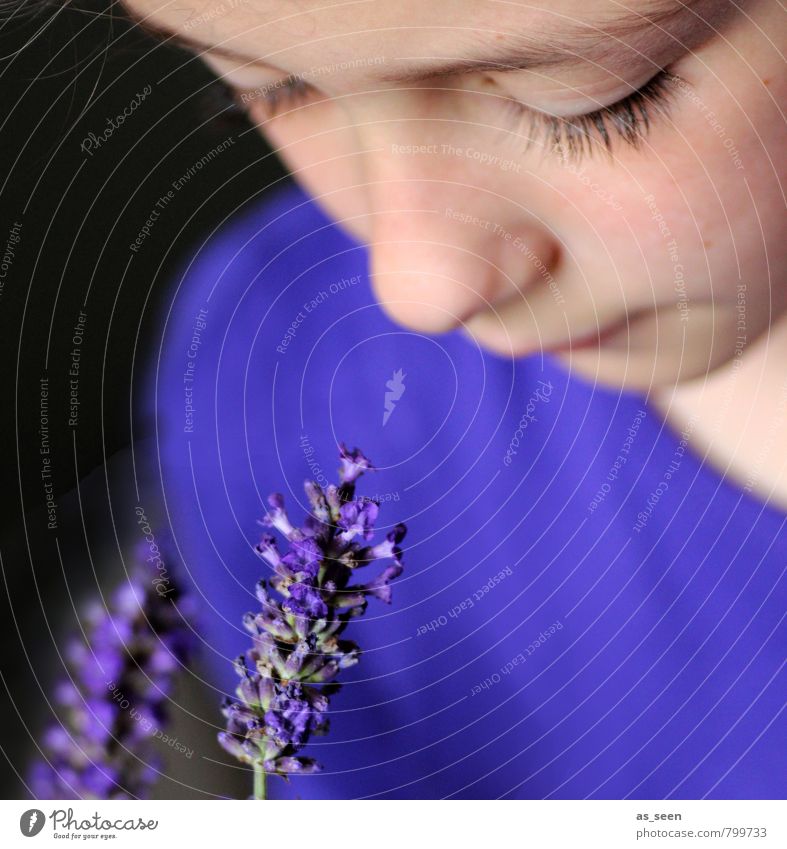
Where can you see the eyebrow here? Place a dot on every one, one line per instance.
(573, 44)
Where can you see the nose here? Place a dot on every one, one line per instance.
(443, 253)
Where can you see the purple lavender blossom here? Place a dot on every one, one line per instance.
(297, 647)
(114, 701)
(353, 464)
(357, 518)
(305, 600)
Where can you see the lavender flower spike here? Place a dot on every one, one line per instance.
(113, 703)
(297, 646)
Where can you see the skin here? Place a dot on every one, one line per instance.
(625, 264)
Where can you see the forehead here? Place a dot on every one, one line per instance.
(301, 18)
(375, 39)
(269, 27)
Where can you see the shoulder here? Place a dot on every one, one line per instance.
(276, 232)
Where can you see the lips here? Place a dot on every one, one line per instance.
(595, 338)
(623, 330)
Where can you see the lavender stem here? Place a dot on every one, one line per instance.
(260, 781)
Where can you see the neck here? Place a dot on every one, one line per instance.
(740, 416)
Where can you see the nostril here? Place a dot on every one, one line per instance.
(538, 258)
(528, 265)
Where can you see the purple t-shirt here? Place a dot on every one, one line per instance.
(587, 609)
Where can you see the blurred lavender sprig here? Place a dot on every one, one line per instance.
(297, 646)
(114, 701)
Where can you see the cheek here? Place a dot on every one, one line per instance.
(679, 223)
(323, 154)
(617, 240)
(715, 184)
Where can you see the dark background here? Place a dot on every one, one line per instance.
(64, 73)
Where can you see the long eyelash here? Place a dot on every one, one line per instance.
(289, 92)
(629, 119)
(225, 107)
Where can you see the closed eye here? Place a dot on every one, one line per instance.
(278, 97)
(629, 119)
(226, 105)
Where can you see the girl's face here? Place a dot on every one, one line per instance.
(593, 178)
